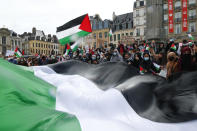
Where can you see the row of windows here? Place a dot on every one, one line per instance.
(123, 26)
(45, 46)
(178, 28)
(177, 4)
(100, 45)
(101, 35)
(118, 36)
(100, 25)
(178, 15)
(43, 51)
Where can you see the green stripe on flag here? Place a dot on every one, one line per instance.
(27, 103)
(68, 39)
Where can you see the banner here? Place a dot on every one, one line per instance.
(184, 16)
(170, 12)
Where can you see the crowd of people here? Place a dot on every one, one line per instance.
(148, 57)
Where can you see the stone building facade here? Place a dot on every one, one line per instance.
(178, 34)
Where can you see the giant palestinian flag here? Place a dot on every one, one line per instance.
(74, 29)
(75, 96)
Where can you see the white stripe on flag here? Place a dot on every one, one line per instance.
(68, 32)
(99, 110)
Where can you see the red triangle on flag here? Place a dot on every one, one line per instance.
(85, 25)
(68, 47)
(141, 69)
(16, 49)
(173, 45)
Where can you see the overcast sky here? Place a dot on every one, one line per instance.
(46, 15)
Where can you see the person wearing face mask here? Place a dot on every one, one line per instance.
(147, 64)
(116, 57)
(187, 59)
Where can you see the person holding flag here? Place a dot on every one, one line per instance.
(147, 65)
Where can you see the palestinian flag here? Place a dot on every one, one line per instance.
(142, 70)
(190, 36)
(158, 67)
(69, 96)
(147, 47)
(18, 52)
(67, 49)
(74, 29)
(173, 46)
(110, 33)
(75, 46)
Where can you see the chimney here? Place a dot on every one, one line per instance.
(34, 31)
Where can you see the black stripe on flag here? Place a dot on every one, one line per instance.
(72, 23)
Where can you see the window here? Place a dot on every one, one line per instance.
(114, 37)
(118, 36)
(177, 28)
(49, 52)
(94, 35)
(94, 45)
(4, 40)
(127, 25)
(111, 38)
(192, 14)
(33, 50)
(122, 34)
(42, 45)
(120, 27)
(36, 51)
(165, 18)
(178, 15)
(15, 43)
(141, 3)
(100, 35)
(137, 22)
(166, 30)
(39, 45)
(131, 33)
(165, 6)
(106, 34)
(192, 2)
(127, 34)
(138, 32)
(105, 43)
(36, 46)
(177, 4)
(192, 27)
(33, 44)
(137, 13)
